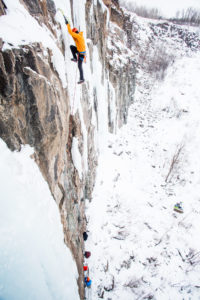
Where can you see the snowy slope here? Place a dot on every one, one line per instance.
(35, 262)
(141, 248)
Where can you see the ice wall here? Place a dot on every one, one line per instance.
(35, 262)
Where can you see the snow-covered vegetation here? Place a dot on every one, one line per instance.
(142, 10)
(189, 15)
(141, 248)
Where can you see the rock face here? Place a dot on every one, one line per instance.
(2, 8)
(114, 51)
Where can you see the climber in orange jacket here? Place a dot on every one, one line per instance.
(79, 50)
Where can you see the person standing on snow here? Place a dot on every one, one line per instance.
(78, 50)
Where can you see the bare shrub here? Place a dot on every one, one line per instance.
(174, 161)
(160, 61)
(106, 267)
(151, 13)
(193, 257)
(148, 296)
(110, 283)
(134, 283)
(190, 16)
(141, 10)
(126, 264)
(156, 60)
(100, 292)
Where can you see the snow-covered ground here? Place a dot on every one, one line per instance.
(35, 263)
(141, 248)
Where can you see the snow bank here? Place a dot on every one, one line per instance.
(35, 263)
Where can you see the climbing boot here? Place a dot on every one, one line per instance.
(81, 81)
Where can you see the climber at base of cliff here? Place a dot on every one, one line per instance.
(78, 52)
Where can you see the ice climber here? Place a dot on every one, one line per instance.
(85, 268)
(78, 51)
(85, 236)
(178, 207)
(87, 254)
(88, 281)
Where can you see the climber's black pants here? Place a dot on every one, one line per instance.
(80, 60)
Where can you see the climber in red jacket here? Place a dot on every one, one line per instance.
(79, 50)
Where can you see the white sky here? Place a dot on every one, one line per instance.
(170, 7)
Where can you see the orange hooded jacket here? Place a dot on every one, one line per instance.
(78, 39)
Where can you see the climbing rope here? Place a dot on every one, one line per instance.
(88, 293)
(74, 90)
